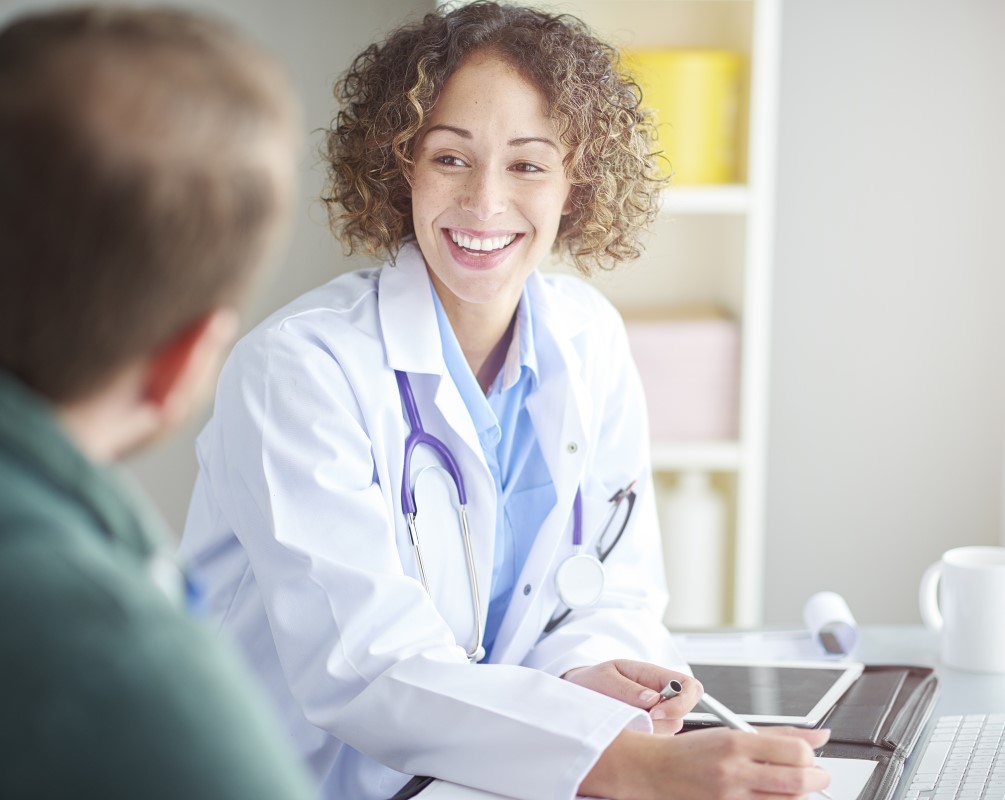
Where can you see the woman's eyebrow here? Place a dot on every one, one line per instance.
(531, 140)
(464, 133)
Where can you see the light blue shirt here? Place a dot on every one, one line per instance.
(523, 484)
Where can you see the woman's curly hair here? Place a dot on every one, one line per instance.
(390, 88)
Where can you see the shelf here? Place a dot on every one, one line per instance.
(708, 456)
(725, 199)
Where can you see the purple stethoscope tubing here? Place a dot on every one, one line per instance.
(417, 435)
(577, 520)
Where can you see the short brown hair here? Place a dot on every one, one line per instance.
(146, 163)
(390, 88)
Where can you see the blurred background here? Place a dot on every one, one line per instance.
(856, 248)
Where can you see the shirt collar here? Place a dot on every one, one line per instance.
(482, 416)
(522, 353)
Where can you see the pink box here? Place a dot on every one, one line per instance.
(690, 370)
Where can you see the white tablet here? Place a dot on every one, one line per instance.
(775, 693)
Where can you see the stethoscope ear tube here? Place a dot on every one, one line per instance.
(477, 653)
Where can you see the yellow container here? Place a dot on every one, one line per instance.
(695, 95)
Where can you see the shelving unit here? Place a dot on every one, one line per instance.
(731, 199)
(713, 245)
(707, 456)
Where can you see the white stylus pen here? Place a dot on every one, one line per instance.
(731, 720)
(725, 716)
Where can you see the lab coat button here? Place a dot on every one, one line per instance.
(526, 589)
(572, 447)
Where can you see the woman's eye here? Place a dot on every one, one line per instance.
(449, 161)
(523, 166)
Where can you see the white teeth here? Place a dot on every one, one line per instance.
(486, 245)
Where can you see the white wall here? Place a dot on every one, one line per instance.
(315, 39)
(888, 382)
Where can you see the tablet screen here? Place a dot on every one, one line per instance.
(793, 693)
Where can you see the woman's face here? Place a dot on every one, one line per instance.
(489, 186)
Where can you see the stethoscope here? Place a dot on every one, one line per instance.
(579, 579)
(417, 435)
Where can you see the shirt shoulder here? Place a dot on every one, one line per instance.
(110, 691)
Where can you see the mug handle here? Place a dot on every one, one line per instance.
(928, 597)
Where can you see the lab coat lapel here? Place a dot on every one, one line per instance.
(412, 342)
(561, 410)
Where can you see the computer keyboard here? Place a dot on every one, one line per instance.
(963, 759)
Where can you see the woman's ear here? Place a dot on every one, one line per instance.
(183, 370)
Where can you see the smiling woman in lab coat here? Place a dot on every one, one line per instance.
(468, 146)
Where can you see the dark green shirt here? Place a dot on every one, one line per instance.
(107, 689)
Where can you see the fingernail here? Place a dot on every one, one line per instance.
(658, 713)
(648, 697)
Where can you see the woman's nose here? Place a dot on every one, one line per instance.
(484, 194)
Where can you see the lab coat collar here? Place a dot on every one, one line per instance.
(407, 315)
(560, 319)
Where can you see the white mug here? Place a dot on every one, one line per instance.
(962, 597)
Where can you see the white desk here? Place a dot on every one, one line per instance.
(960, 692)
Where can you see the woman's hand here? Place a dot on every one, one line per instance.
(713, 764)
(639, 684)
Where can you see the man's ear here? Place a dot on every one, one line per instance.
(180, 372)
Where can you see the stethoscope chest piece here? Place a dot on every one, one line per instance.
(579, 580)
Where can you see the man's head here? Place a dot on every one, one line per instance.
(147, 161)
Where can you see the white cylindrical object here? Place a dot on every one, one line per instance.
(830, 622)
(694, 552)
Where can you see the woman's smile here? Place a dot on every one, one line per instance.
(481, 242)
(480, 251)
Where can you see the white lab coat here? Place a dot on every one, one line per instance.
(297, 531)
